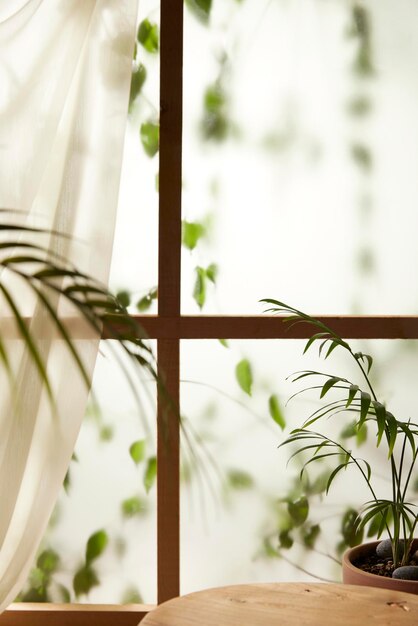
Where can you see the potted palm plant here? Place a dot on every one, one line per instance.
(392, 562)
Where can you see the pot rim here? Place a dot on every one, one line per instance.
(366, 547)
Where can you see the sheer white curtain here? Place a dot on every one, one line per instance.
(64, 87)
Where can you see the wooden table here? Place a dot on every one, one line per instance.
(288, 604)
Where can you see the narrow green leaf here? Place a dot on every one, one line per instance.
(275, 411)
(392, 425)
(150, 473)
(328, 384)
(223, 343)
(150, 137)
(359, 356)
(380, 412)
(332, 347)
(96, 545)
(243, 374)
(199, 291)
(351, 394)
(314, 338)
(374, 526)
(137, 451)
(334, 474)
(365, 401)
(298, 510)
(148, 36)
(30, 344)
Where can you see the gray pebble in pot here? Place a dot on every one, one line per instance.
(406, 572)
(384, 549)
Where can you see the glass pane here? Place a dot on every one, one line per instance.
(300, 157)
(237, 523)
(135, 255)
(105, 504)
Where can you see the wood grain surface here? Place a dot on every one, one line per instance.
(288, 604)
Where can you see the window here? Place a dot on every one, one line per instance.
(170, 327)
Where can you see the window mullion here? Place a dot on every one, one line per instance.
(169, 261)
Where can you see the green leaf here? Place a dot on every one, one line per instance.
(276, 412)
(361, 435)
(239, 479)
(63, 594)
(392, 425)
(145, 302)
(200, 8)
(359, 356)
(350, 528)
(131, 596)
(138, 78)
(223, 343)
(268, 549)
(29, 342)
(243, 374)
(351, 394)
(374, 526)
(137, 451)
(215, 124)
(298, 510)
(314, 338)
(311, 535)
(150, 473)
(365, 401)
(84, 580)
(320, 483)
(191, 233)
(334, 474)
(150, 137)
(37, 579)
(362, 156)
(381, 420)
(48, 561)
(106, 433)
(96, 545)
(148, 36)
(360, 106)
(212, 272)
(328, 384)
(350, 430)
(133, 506)
(332, 347)
(285, 539)
(199, 291)
(124, 298)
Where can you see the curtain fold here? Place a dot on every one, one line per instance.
(65, 70)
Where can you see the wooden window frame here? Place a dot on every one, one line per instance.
(169, 327)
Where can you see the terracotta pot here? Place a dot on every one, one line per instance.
(354, 576)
